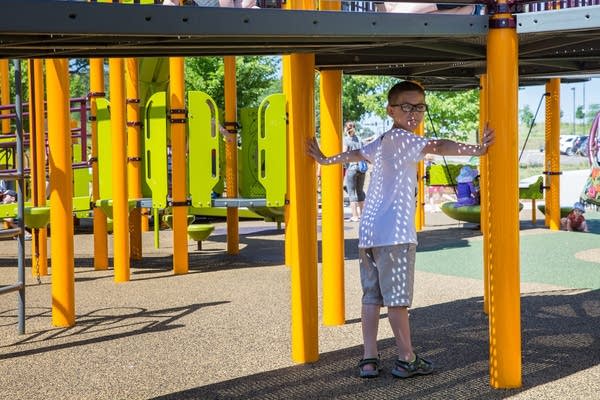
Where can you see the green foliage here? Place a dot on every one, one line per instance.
(257, 77)
(526, 116)
(364, 95)
(455, 115)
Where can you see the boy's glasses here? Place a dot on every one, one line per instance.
(407, 107)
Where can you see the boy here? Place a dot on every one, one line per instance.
(387, 256)
(575, 221)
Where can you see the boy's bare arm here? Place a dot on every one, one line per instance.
(445, 147)
(313, 150)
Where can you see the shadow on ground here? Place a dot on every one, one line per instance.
(560, 338)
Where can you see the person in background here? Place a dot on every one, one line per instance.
(575, 221)
(354, 180)
(466, 192)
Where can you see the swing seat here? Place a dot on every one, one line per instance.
(37, 217)
(200, 232)
(465, 213)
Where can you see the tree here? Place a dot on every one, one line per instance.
(364, 95)
(257, 77)
(454, 115)
(526, 116)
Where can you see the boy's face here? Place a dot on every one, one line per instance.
(407, 120)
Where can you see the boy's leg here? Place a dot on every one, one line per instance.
(371, 304)
(398, 318)
(370, 327)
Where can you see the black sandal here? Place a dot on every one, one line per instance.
(405, 369)
(376, 362)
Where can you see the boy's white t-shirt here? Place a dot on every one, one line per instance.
(388, 214)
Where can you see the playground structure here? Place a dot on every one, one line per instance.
(338, 40)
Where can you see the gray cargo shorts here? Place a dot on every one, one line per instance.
(387, 274)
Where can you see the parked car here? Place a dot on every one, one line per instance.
(581, 147)
(566, 144)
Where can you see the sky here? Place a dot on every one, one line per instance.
(531, 96)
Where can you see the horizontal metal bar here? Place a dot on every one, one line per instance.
(577, 19)
(9, 233)
(12, 288)
(238, 202)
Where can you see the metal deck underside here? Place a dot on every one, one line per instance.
(442, 51)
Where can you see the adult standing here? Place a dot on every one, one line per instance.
(354, 180)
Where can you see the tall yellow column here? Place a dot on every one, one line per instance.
(39, 244)
(231, 174)
(552, 157)
(119, 170)
(134, 160)
(332, 202)
(61, 193)
(100, 223)
(178, 161)
(420, 207)
(4, 94)
(504, 312)
(303, 205)
(484, 195)
(290, 248)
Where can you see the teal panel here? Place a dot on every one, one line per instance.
(272, 164)
(203, 140)
(155, 149)
(104, 148)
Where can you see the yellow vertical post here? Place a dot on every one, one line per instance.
(420, 198)
(303, 205)
(484, 193)
(100, 223)
(39, 244)
(178, 161)
(552, 157)
(289, 229)
(231, 163)
(119, 170)
(504, 312)
(61, 193)
(134, 159)
(4, 94)
(332, 211)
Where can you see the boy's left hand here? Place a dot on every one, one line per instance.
(488, 138)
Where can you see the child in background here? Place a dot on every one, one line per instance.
(574, 221)
(466, 192)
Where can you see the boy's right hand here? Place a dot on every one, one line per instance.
(313, 150)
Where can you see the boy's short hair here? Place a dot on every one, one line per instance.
(404, 86)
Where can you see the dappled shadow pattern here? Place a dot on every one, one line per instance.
(560, 338)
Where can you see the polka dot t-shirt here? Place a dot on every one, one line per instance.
(388, 214)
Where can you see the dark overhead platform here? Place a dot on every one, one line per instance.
(442, 51)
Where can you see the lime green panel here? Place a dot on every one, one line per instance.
(203, 152)
(81, 185)
(533, 191)
(155, 149)
(272, 131)
(104, 148)
(249, 185)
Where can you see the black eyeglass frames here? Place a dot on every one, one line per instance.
(407, 107)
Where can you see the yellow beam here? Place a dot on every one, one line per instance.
(231, 163)
(134, 163)
(552, 157)
(420, 207)
(119, 170)
(178, 161)
(39, 244)
(5, 94)
(484, 193)
(61, 193)
(504, 312)
(100, 223)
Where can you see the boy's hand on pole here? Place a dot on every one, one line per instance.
(313, 150)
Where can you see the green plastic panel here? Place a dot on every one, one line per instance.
(203, 153)
(249, 185)
(533, 191)
(104, 148)
(82, 179)
(272, 132)
(155, 149)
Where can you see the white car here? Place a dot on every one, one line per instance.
(566, 144)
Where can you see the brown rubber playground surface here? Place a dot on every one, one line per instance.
(223, 330)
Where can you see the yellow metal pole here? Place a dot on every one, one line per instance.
(178, 161)
(332, 210)
(420, 208)
(5, 94)
(504, 312)
(332, 201)
(119, 170)
(552, 157)
(100, 223)
(303, 205)
(61, 193)
(231, 164)
(289, 228)
(134, 161)
(484, 194)
(39, 244)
